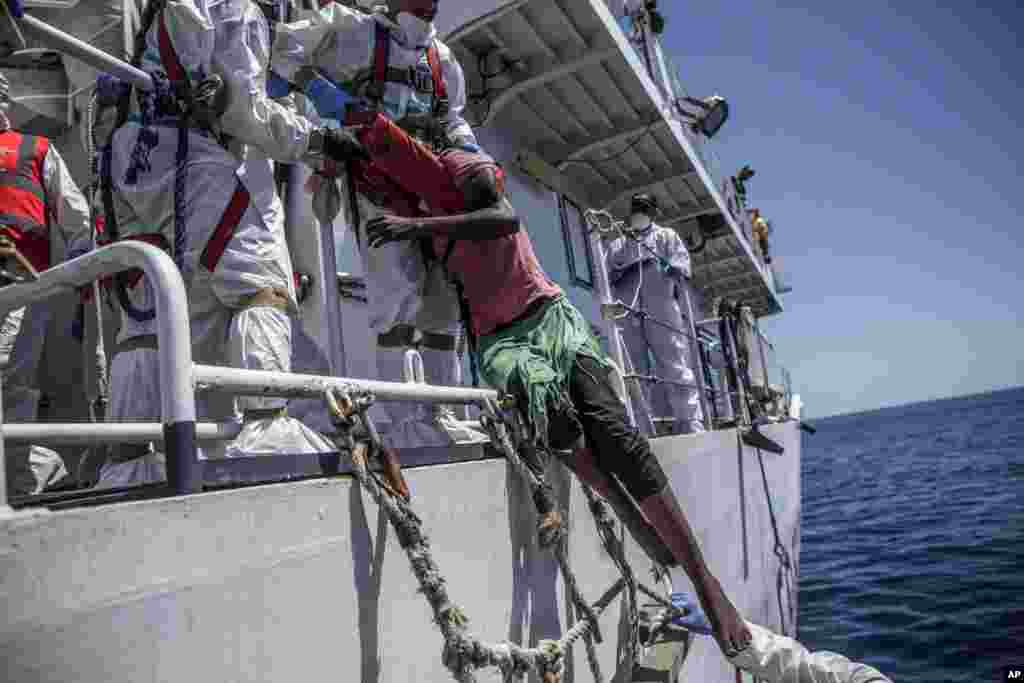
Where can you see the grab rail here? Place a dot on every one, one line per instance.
(178, 406)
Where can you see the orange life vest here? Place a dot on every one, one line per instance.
(23, 215)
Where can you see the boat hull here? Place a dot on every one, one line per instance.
(305, 581)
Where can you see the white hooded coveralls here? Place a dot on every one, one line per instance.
(340, 43)
(232, 184)
(655, 284)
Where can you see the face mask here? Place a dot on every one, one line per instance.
(417, 31)
(639, 221)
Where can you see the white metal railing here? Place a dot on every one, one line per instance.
(178, 410)
(179, 377)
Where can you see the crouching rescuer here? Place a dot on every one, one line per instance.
(532, 344)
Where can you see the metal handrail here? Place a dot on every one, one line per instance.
(178, 408)
(179, 377)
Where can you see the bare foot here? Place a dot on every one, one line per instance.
(730, 631)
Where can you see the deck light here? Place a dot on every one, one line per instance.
(714, 112)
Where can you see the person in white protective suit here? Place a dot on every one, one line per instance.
(135, 397)
(648, 270)
(333, 58)
(769, 657)
(37, 194)
(192, 172)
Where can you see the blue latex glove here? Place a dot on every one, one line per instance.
(695, 620)
(330, 100)
(109, 89)
(15, 8)
(466, 144)
(277, 87)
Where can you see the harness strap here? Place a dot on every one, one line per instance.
(225, 229)
(441, 103)
(381, 61)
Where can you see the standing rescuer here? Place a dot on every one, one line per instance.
(649, 270)
(358, 68)
(533, 344)
(191, 171)
(37, 193)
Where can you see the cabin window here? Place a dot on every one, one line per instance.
(577, 244)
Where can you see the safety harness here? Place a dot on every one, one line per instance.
(175, 100)
(382, 73)
(24, 218)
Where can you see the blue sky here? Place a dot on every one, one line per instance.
(887, 143)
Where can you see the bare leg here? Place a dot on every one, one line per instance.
(583, 463)
(621, 451)
(664, 512)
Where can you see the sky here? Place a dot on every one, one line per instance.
(888, 148)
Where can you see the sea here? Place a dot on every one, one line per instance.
(912, 556)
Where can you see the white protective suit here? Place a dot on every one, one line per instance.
(23, 332)
(232, 184)
(135, 397)
(780, 659)
(649, 273)
(340, 43)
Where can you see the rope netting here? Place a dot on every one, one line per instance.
(464, 654)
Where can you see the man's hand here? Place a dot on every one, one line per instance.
(384, 229)
(341, 145)
(24, 271)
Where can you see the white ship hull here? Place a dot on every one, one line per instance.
(305, 581)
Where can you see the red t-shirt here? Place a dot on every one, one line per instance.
(501, 278)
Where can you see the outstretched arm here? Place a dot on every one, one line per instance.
(477, 226)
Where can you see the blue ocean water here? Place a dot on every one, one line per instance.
(912, 556)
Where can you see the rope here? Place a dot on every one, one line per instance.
(500, 436)
(462, 654)
(783, 578)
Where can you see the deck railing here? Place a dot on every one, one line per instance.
(179, 376)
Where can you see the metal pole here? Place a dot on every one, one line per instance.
(611, 329)
(743, 414)
(695, 346)
(175, 350)
(5, 509)
(287, 385)
(97, 433)
(94, 57)
(764, 359)
(641, 408)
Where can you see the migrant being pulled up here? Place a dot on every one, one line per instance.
(533, 344)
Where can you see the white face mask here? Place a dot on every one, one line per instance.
(417, 31)
(639, 221)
